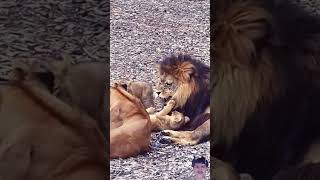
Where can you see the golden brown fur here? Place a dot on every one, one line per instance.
(185, 80)
(140, 89)
(265, 88)
(159, 120)
(44, 138)
(82, 86)
(130, 125)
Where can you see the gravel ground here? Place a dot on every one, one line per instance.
(142, 32)
(44, 29)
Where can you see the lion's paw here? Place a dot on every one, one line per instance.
(171, 102)
(166, 132)
(151, 110)
(165, 140)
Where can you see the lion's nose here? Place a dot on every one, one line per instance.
(158, 93)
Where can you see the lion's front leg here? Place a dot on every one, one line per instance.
(187, 137)
(151, 110)
(167, 108)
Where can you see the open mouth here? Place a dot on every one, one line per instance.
(166, 100)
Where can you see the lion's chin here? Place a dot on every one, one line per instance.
(165, 100)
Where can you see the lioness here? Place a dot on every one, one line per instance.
(83, 86)
(44, 138)
(130, 125)
(159, 120)
(140, 89)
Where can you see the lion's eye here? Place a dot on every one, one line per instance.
(168, 83)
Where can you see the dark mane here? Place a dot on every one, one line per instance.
(266, 87)
(174, 61)
(199, 98)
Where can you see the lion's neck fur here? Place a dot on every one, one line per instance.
(250, 87)
(184, 92)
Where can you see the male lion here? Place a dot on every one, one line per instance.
(265, 88)
(44, 138)
(185, 80)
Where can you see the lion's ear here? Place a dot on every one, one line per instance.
(60, 67)
(24, 70)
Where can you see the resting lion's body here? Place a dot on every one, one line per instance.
(44, 138)
(265, 88)
(130, 125)
(186, 81)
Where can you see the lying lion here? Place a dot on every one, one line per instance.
(160, 120)
(42, 137)
(130, 123)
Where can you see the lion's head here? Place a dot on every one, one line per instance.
(140, 89)
(166, 86)
(185, 80)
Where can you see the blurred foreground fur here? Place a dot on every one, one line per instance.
(42, 137)
(265, 89)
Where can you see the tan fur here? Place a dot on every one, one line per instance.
(44, 138)
(143, 91)
(161, 120)
(130, 124)
(82, 86)
(188, 137)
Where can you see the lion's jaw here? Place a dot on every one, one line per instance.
(178, 91)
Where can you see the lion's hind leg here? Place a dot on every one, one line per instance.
(187, 137)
